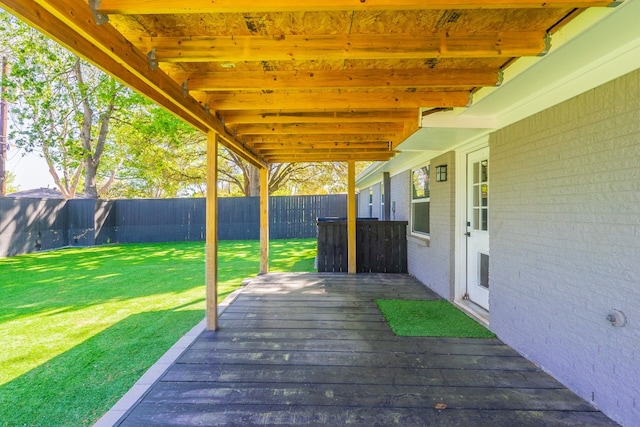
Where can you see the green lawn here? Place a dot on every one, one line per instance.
(79, 326)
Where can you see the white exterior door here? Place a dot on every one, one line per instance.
(478, 227)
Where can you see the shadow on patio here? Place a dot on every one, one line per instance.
(313, 349)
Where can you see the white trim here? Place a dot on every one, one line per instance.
(597, 46)
(418, 234)
(394, 166)
(460, 244)
(474, 310)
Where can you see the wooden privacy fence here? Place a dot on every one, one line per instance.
(381, 246)
(28, 225)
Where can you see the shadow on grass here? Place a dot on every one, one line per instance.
(72, 279)
(78, 386)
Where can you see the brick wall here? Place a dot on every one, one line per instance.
(441, 257)
(565, 233)
(431, 260)
(363, 203)
(376, 212)
(400, 196)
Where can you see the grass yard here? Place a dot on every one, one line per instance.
(79, 326)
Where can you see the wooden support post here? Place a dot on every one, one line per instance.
(351, 217)
(211, 247)
(264, 220)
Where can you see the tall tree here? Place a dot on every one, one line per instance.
(62, 107)
(285, 178)
(164, 157)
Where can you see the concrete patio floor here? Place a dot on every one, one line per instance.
(313, 349)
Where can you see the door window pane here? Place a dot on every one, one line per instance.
(480, 196)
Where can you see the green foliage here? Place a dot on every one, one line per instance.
(12, 187)
(61, 106)
(96, 133)
(78, 327)
(164, 157)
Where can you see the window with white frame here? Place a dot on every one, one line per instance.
(420, 200)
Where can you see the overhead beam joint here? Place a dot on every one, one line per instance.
(99, 17)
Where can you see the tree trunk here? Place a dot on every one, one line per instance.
(93, 154)
(254, 181)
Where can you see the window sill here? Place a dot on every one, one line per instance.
(421, 239)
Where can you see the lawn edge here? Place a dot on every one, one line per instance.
(131, 397)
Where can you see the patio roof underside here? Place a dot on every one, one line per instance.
(291, 81)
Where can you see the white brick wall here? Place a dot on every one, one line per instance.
(376, 211)
(363, 202)
(431, 260)
(565, 242)
(400, 195)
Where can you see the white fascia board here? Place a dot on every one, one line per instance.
(371, 175)
(457, 119)
(598, 46)
(399, 163)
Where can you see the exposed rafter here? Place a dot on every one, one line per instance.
(334, 100)
(299, 116)
(279, 80)
(71, 24)
(290, 147)
(311, 138)
(232, 49)
(251, 6)
(330, 157)
(290, 80)
(318, 128)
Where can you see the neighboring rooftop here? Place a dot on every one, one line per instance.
(40, 193)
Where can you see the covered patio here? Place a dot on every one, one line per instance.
(313, 349)
(348, 81)
(293, 81)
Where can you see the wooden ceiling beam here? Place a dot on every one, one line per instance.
(317, 128)
(310, 138)
(269, 152)
(293, 116)
(236, 49)
(392, 99)
(141, 7)
(275, 146)
(329, 157)
(71, 23)
(279, 80)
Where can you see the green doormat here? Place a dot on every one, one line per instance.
(440, 318)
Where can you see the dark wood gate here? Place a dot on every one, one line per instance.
(381, 246)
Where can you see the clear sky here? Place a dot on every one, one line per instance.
(30, 169)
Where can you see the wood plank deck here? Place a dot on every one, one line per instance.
(313, 349)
